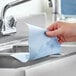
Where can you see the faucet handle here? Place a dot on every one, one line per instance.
(11, 22)
(9, 26)
(50, 3)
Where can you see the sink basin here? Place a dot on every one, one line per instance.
(7, 61)
(7, 42)
(54, 65)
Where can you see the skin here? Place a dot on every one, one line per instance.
(65, 32)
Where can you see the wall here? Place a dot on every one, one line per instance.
(28, 8)
(31, 7)
(47, 10)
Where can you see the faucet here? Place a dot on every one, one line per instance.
(55, 9)
(54, 5)
(8, 26)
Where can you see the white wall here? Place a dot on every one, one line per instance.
(47, 10)
(28, 8)
(31, 7)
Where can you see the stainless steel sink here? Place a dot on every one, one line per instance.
(7, 61)
(62, 66)
(7, 43)
(54, 65)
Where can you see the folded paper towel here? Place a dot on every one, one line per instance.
(39, 45)
(23, 57)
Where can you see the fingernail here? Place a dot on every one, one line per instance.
(45, 33)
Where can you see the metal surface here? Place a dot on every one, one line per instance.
(7, 61)
(9, 26)
(10, 44)
(61, 67)
(55, 65)
(22, 29)
(55, 10)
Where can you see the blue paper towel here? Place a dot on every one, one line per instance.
(68, 7)
(23, 57)
(39, 45)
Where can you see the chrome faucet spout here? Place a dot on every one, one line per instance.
(11, 4)
(55, 9)
(9, 26)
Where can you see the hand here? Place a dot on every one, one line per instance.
(65, 32)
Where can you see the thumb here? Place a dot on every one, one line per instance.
(53, 33)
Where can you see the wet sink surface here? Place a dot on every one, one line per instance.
(6, 61)
(54, 65)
